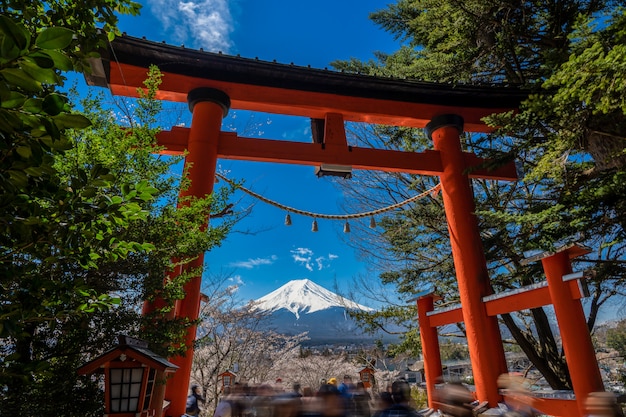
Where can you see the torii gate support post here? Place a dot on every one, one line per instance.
(579, 352)
(430, 347)
(208, 107)
(483, 334)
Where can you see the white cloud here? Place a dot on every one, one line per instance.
(305, 257)
(253, 263)
(320, 262)
(203, 24)
(237, 282)
(236, 279)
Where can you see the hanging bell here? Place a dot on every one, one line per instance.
(288, 220)
(372, 223)
(346, 228)
(314, 226)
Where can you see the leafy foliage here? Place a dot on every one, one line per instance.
(568, 137)
(88, 219)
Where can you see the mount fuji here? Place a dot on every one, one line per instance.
(304, 306)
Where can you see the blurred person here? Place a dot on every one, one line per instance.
(310, 405)
(517, 397)
(602, 404)
(261, 401)
(346, 387)
(401, 398)
(286, 405)
(193, 401)
(455, 400)
(231, 404)
(332, 403)
(382, 401)
(361, 399)
(295, 389)
(223, 408)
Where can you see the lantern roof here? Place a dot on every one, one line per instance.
(228, 373)
(128, 348)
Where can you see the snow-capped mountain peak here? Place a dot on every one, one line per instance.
(303, 296)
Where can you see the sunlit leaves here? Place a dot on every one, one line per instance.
(54, 38)
(54, 229)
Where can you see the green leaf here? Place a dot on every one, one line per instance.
(89, 192)
(54, 104)
(41, 59)
(24, 151)
(8, 49)
(17, 33)
(43, 75)
(69, 121)
(54, 38)
(5, 91)
(21, 79)
(9, 121)
(13, 100)
(51, 129)
(61, 61)
(34, 171)
(33, 105)
(18, 178)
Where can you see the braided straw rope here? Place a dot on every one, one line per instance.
(432, 190)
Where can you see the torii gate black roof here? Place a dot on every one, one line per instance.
(208, 67)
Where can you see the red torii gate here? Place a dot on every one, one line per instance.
(562, 289)
(212, 83)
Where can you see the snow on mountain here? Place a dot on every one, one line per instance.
(303, 296)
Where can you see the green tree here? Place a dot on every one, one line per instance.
(127, 153)
(568, 136)
(45, 222)
(89, 225)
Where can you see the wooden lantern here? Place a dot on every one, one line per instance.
(130, 373)
(367, 376)
(227, 378)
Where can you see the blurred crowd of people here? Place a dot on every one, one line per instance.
(329, 399)
(346, 399)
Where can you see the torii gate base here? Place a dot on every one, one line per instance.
(211, 82)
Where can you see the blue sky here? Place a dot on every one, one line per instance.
(262, 253)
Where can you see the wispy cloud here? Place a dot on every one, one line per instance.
(303, 256)
(306, 258)
(203, 23)
(237, 282)
(253, 263)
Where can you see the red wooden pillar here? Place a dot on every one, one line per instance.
(208, 107)
(430, 347)
(483, 334)
(579, 352)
